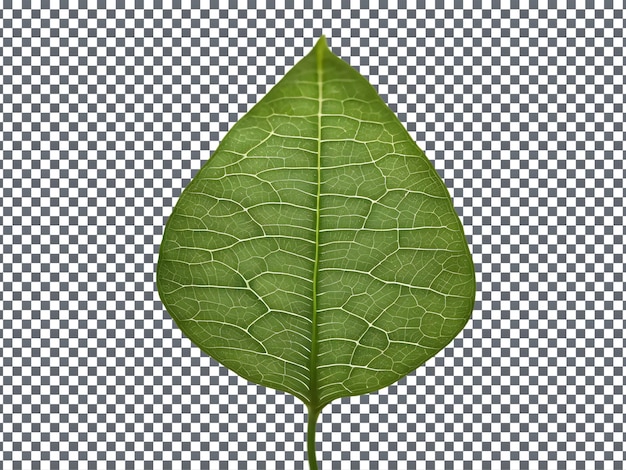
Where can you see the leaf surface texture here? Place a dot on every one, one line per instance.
(318, 251)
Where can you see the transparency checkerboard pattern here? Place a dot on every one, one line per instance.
(109, 109)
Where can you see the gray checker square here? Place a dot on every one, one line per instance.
(110, 107)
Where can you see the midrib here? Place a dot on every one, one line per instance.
(313, 364)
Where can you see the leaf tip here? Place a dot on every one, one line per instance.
(321, 43)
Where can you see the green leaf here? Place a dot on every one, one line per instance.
(317, 251)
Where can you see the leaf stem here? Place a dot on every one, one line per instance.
(313, 414)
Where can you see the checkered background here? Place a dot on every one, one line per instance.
(109, 109)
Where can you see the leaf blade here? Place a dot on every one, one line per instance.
(318, 252)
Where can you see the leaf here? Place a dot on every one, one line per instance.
(317, 251)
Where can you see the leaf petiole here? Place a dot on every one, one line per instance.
(313, 414)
